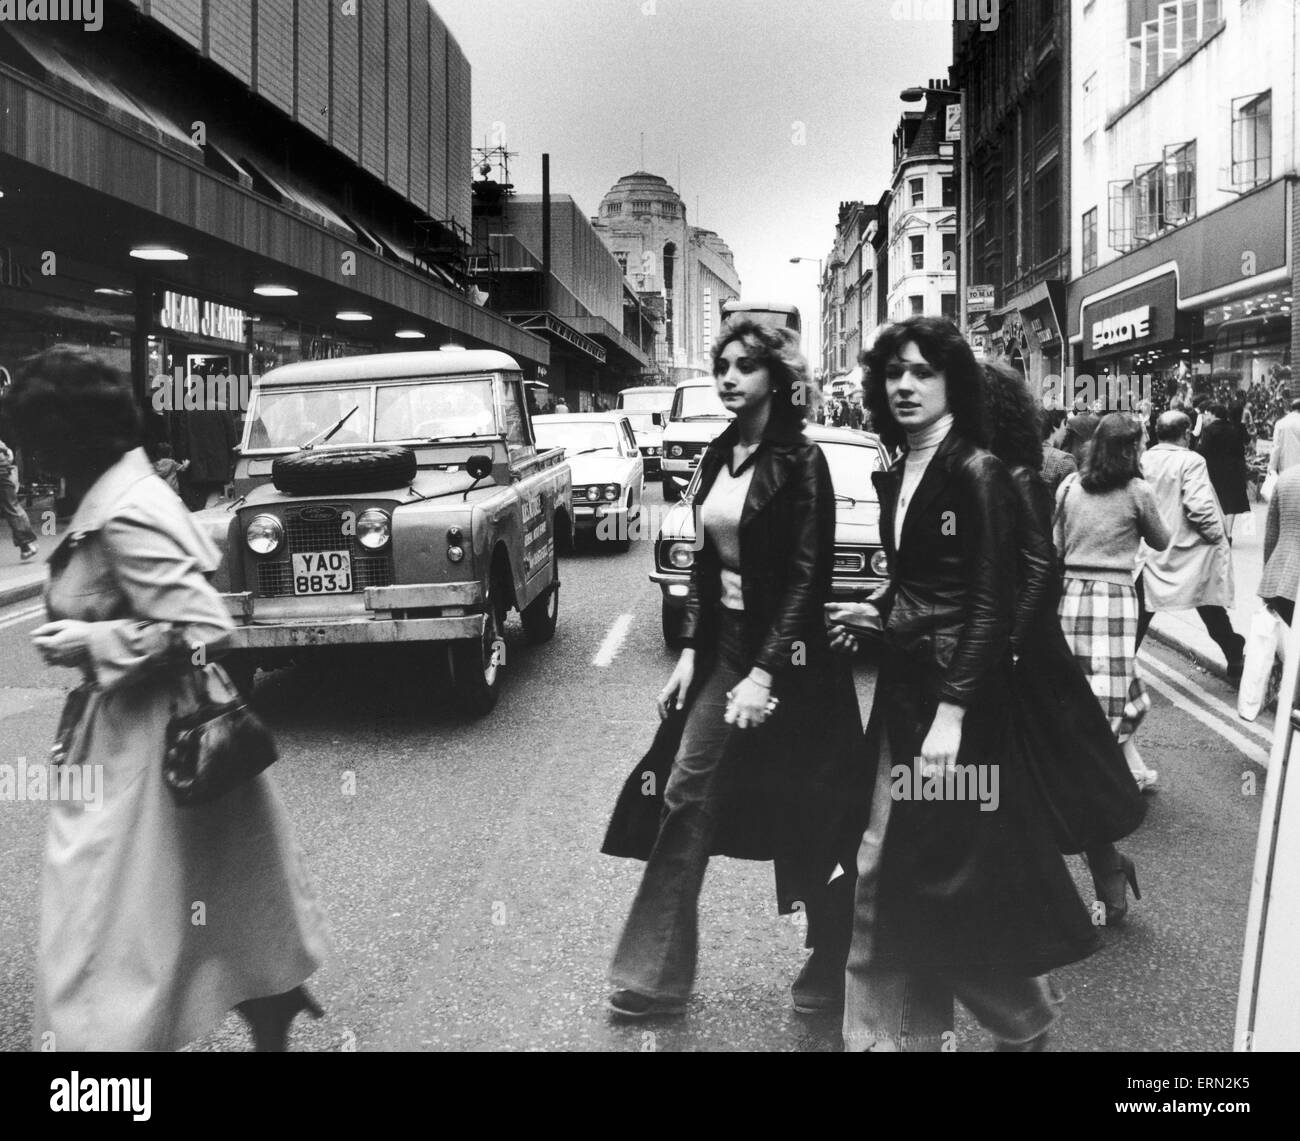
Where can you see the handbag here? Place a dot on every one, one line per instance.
(1265, 641)
(219, 744)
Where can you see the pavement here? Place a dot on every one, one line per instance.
(20, 580)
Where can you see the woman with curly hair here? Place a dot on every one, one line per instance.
(1102, 514)
(961, 891)
(1080, 769)
(760, 719)
(122, 963)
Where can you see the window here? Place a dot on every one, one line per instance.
(948, 305)
(1011, 242)
(949, 191)
(949, 253)
(1090, 240)
(642, 206)
(1148, 200)
(1169, 36)
(917, 245)
(510, 398)
(916, 188)
(1252, 140)
(1180, 183)
(1166, 34)
(916, 304)
(622, 262)
(1047, 224)
(1119, 234)
(613, 207)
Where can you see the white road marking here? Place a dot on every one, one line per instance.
(1248, 747)
(1206, 698)
(613, 642)
(22, 616)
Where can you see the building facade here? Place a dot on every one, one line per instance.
(1183, 211)
(848, 297)
(687, 270)
(922, 213)
(1015, 176)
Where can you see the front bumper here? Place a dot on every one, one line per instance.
(676, 588)
(378, 615)
(589, 515)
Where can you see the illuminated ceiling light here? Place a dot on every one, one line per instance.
(409, 334)
(158, 253)
(451, 347)
(352, 315)
(106, 292)
(274, 291)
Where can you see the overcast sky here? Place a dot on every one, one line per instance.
(726, 88)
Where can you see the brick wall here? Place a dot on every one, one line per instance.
(314, 66)
(399, 98)
(438, 39)
(345, 67)
(419, 102)
(459, 143)
(230, 37)
(374, 101)
(274, 48)
(184, 17)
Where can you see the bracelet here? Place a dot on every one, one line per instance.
(761, 685)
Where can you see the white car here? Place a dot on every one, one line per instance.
(608, 472)
(697, 418)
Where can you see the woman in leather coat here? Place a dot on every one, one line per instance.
(961, 890)
(760, 718)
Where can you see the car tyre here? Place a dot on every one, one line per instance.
(342, 473)
(541, 615)
(477, 665)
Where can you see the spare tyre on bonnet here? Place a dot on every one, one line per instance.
(339, 473)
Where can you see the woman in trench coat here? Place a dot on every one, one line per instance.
(155, 921)
(961, 890)
(761, 721)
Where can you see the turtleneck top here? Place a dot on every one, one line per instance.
(921, 447)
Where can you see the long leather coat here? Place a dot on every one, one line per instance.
(960, 887)
(795, 790)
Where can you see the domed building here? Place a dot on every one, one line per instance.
(690, 270)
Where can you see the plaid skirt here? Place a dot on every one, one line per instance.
(1099, 620)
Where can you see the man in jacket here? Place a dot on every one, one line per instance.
(1079, 429)
(1195, 570)
(11, 509)
(1286, 440)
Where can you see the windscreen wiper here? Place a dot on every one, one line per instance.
(329, 434)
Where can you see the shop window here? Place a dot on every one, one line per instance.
(1252, 140)
(916, 188)
(1180, 183)
(1047, 225)
(1090, 240)
(917, 245)
(916, 304)
(1148, 200)
(1119, 234)
(949, 191)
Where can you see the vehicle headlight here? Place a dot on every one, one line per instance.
(880, 564)
(593, 494)
(681, 556)
(374, 529)
(611, 492)
(675, 451)
(264, 535)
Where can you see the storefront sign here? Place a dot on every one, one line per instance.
(184, 314)
(1136, 318)
(979, 298)
(1135, 325)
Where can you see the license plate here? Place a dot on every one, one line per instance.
(322, 572)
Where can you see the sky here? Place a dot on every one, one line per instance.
(764, 115)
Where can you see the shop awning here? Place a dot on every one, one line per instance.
(549, 325)
(292, 195)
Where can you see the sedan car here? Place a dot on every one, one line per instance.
(608, 472)
(860, 564)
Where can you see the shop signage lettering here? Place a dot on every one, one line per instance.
(184, 314)
(1122, 328)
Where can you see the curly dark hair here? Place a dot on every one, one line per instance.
(74, 410)
(776, 349)
(945, 349)
(1014, 417)
(1114, 454)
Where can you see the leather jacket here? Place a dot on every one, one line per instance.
(1038, 570)
(950, 602)
(787, 551)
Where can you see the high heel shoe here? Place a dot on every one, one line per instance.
(269, 1018)
(1110, 887)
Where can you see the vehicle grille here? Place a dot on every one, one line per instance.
(855, 562)
(275, 576)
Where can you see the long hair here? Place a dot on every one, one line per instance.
(945, 350)
(1014, 417)
(74, 410)
(1114, 454)
(777, 350)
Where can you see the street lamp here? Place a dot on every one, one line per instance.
(796, 261)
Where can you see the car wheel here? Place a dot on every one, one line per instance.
(540, 615)
(623, 545)
(478, 664)
(341, 473)
(672, 624)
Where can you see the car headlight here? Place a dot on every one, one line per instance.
(611, 492)
(374, 529)
(264, 535)
(681, 556)
(880, 564)
(675, 451)
(593, 494)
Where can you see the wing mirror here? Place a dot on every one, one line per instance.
(657, 419)
(479, 468)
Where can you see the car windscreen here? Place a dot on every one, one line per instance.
(851, 467)
(291, 419)
(641, 421)
(698, 400)
(644, 401)
(576, 436)
(434, 410)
